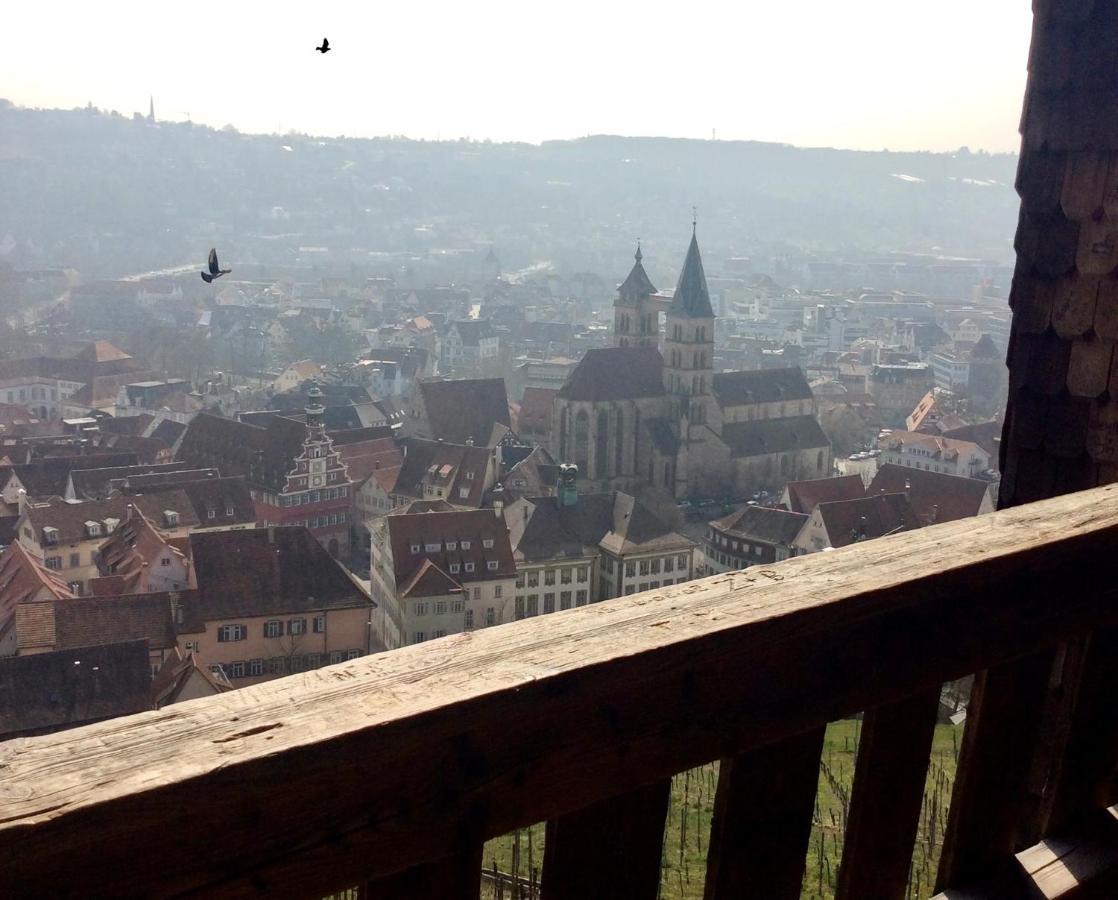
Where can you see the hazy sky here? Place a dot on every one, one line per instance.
(902, 74)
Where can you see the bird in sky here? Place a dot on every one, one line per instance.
(215, 271)
(325, 48)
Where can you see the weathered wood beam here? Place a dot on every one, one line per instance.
(313, 774)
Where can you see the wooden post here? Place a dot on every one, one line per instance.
(762, 820)
(610, 850)
(888, 793)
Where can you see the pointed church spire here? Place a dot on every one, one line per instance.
(151, 108)
(692, 299)
(638, 285)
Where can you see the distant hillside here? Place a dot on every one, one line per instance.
(110, 195)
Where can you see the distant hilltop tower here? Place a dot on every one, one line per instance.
(491, 267)
(151, 109)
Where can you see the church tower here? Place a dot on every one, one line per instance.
(635, 311)
(689, 345)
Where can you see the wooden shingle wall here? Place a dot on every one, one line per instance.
(1061, 429)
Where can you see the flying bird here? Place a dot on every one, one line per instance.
(325, 48)
(215, 271)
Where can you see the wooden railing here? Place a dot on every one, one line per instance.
(391, 771)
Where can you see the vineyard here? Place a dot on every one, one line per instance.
(688, 827)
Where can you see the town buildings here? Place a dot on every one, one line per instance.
(440, 572)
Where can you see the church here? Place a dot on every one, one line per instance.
(651, 410)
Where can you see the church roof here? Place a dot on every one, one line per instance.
(616, 373)
(638, 284)
(761, 386)
(691, 299)
(761, 437)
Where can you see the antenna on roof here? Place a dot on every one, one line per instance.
(694, 220)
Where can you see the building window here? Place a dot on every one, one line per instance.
(564, 599)
(565, 575)
(491, 616)
(451, 545)
(228, 633)
(432, 548)
(440, 607)
(549, 577)
(273, 629)
(487, 544)
(237, 670)
(456, 606)
(76, 560)
(438, 633)
(548, 603)
(681, 562)
(210, 514)
(583, 573)
(669, 563)
(319, 623)
(491, 565)
(469, 620)
(644, 566)
(581, 598)
(454, 568)
(497, 591)
(520, 580)
(519, 608)
(53, 562)
(297, 626)
(477, 593)
(469, 567)
(630, 569)
(419, 637)
(256, 667)
(533, 605)
(533, 579)
(465, 545)
(656, 567)
(415, 548)
(463, 493)
(421, 607)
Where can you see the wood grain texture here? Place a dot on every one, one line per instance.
(529, 721)
(762, 820)
(885, 802)
(611, 849)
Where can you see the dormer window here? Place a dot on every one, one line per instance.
(465, 545)
(110, 525)
(491, 565)
(455, 568)
(469, 567)
(469, 476)
(170, 518)
(433, 548)
(50, 535)
(415, 548)
(92, 529)
(452, 545)
(487, 543)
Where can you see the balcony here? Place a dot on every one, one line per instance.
(389, 772)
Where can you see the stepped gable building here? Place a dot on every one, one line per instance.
(294, 473)
(652, 410)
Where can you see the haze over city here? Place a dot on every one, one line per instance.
(866, 75)
(585, 451)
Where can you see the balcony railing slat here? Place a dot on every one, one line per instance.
(762, 820)
(610, 850)
(1086, 778)
(991, 805)
(886, 798)
(284, 783)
